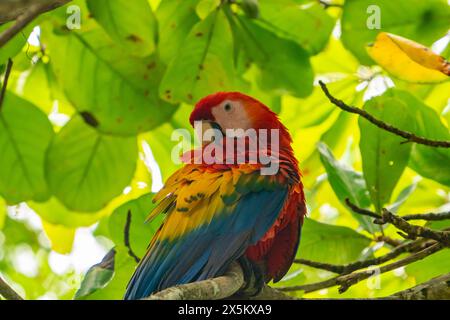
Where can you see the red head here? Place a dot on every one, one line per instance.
(234, 110)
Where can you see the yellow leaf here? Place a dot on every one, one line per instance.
(60, 237)
(408, 60)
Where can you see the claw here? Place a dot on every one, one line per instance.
(253, 278)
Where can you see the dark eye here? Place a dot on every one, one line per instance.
(227, 107)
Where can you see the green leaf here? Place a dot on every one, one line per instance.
(429, 162)
(114, 289)
(309, 24)
(131, 26)
(15, 45)
(316, 106)
(286, 70)
(341, 130)
(346, 183)
(384, 157)
(335, 59)
(430, 267)
(140, 233)
(85, 62)
(98, 276)
(402, 197)
(204, 65)
(432, 163)
(175, 18)
(330, 244)
(422, 21)
(41, 89)
(25, 134)
(56, 213)
(87, 169)
(205, 7)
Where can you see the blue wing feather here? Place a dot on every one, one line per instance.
(207, 251)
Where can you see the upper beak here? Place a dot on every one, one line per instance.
(203, 127)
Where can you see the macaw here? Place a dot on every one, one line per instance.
(218, 213)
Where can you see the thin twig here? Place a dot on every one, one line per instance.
(388, 240)
(7, 292)
(413, 231)
(412, 246)
(345, 281)
(410, 137)
(126, 234)
(5, 82)
(357, 265)
(428, 216)
(27, 16)
(354, 278)
(362, 211)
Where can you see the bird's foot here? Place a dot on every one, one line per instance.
(253, 278)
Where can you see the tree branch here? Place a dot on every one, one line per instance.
(5, 82)
(24, 12)
(428, 216)
(362, 211)
(211, 289)
(410, 137)
(7, 292)
(347, 280)
(350, 267)
(229, 284)
(412, 231)
(222, 287)
(354, 278)
(11, 9)
(435, 289)
(390, 241)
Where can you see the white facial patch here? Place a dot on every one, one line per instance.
(231, 115)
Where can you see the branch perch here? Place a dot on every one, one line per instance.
(23, 12)
(211, 289)
(7, 292)
(410, 137)
(218, 288)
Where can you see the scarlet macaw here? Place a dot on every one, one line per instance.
(219, 213)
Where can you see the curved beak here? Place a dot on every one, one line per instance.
(202, 126)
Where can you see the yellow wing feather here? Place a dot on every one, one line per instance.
(193, 195)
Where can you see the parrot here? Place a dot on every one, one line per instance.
(225, 212)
